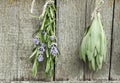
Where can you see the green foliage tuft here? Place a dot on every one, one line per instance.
(93, 46)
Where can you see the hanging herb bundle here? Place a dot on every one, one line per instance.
(93, 46)
(45, 47)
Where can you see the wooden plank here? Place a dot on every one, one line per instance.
(115, 66)
(99, 81)
(8, 40)
(56, 82)
(106, 14)
(27, 28)
(70, 28)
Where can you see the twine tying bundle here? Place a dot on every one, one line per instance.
(44, 8)
(98, 6)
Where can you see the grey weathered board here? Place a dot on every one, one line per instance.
(27, 27)
(8, 40)
(17, 27)
(70, 28)
(115, 64)
(99, 81)
(16, 32)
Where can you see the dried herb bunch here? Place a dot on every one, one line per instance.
(45, 47)
(93, 46)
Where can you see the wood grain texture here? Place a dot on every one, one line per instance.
(17, 27)
(115, 66)
(8, 40)
(27, 28)
(106, 13)
(70, 27)
(16, 32)
(58, 82)
(99, 81)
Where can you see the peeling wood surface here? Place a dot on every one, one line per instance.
(17, 27)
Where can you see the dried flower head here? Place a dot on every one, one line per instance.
(35, 41)
(40, 58)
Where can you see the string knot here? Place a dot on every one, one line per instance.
(44, 8)
(98, 6)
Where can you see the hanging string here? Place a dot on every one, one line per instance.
(32, 6)
(98, 6)
(44, 8)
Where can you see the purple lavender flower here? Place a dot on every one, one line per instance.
(35, 41)
(54, 50)
(43, 45)
(52, 38)
(43, 32)
(40, 58)
(53, 44)
(42, 48)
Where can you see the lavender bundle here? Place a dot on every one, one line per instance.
(45, 47)
(93, 46)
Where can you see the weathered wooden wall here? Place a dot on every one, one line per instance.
(17, 27)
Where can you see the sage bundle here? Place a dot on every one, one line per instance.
(45, 47)
(93, 46)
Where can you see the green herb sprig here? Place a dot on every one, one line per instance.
(93, 46)
(45, 47)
